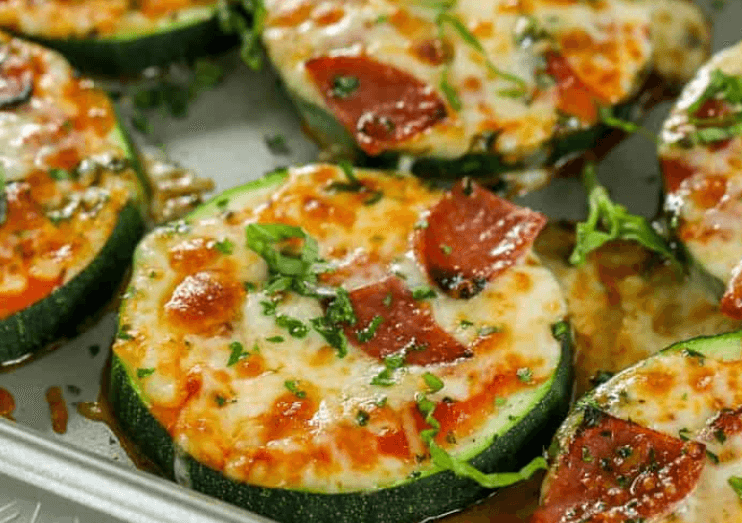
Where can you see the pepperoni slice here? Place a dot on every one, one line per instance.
(16, 81)
(616, 471)
(575, 97)
(380, 105)
(473, 236)
(731, 302)
(674, 172)
(407, 326)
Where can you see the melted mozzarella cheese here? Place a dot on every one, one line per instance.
(609, 45)
(676, 392)
(707, 202)
(100, 18)
(624, 306)
(242, 420)
(59, 217)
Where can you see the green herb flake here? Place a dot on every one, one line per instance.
(608, 118)
(374, 198)
(608, 221)
(713, 458)
(387, 301)
(736, 483)
(684, 434)
(423, 292)
(720, 436)
(275, 339)
(123, 333)
(465, 324)
(422, 224)
(296, 328)
(277, 144)
(220, 400)
(249, 286)
(525, 374)
(293, 387)
(224, 246)
(445, 249)
(269, 307)
(368, 333)
(433, 382)
(452, 96)
(362, 417)
(237, 352)
(343, 86)
(500, 402)
(60, 174)
(385, 377)
(586, 456)
(143, 373)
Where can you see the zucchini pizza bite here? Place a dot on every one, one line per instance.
(701, 161)
(472, 87)
(117, 36)
(69, 198)
(329, 344)
(660, 442)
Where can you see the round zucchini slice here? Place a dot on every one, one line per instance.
(699, 156)
(119, 37)
(659, 442)
(71, 198)
(472, 88)
(328, 343)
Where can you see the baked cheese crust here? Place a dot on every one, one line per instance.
(65, 169)
(271, 403)
(58, 19)
(497, 77)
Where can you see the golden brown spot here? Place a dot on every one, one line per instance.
(407, 24)
(323, 356)
(192, 255)
(472, 83)
(483, 29)
(250, 367)
(289, 416)
(707, 192)
(294, 17)
(522, 281)
(205, 302)
(434, 51)
(330, 17)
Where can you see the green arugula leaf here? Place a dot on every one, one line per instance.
(608, 221)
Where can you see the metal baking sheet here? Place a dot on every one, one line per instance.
(84, 474)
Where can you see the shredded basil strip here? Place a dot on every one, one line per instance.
(449, 92)
(246, 19)
(443, 460)
(608, 118)
(3, 197)
(608, 221)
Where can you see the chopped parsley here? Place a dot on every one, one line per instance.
(586, 456)
(488, 330)
(277, 144)
(684, 434)
(59, 174)
(220, 400)
(452, 96)
(353, 184)
(224, 246)
(608, 118)
(275, 339)
(362, 417)
(446, 249)
(368, 333)
(725, 87)
(608, 221)
(246, 19)
(144, 372)
(237, 352)
(269, 307)
(423, 292)
(500, 402)
(293, 387)
(713, 458)
(525, 374)
(433, 382)
(296, 328)
(465, 324)
(387, 301)
(123, 333)
(374, 198)
(344, 86)
(385, 377)
(736, 483)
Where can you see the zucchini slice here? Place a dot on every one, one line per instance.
(473, 88)
(109, 38)
(699, 156)
(73, 198)
(306, 374)
(659, 442)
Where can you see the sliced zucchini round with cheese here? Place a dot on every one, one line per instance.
(700, 160)
(70, 198)
(474, 88)
(329, 344)
(661, 442)
(119, 37)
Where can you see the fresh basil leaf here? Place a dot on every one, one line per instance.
(608, 221)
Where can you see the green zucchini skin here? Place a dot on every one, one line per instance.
(126, 56)
(411, 501)
(59, 313)
(327, 132)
